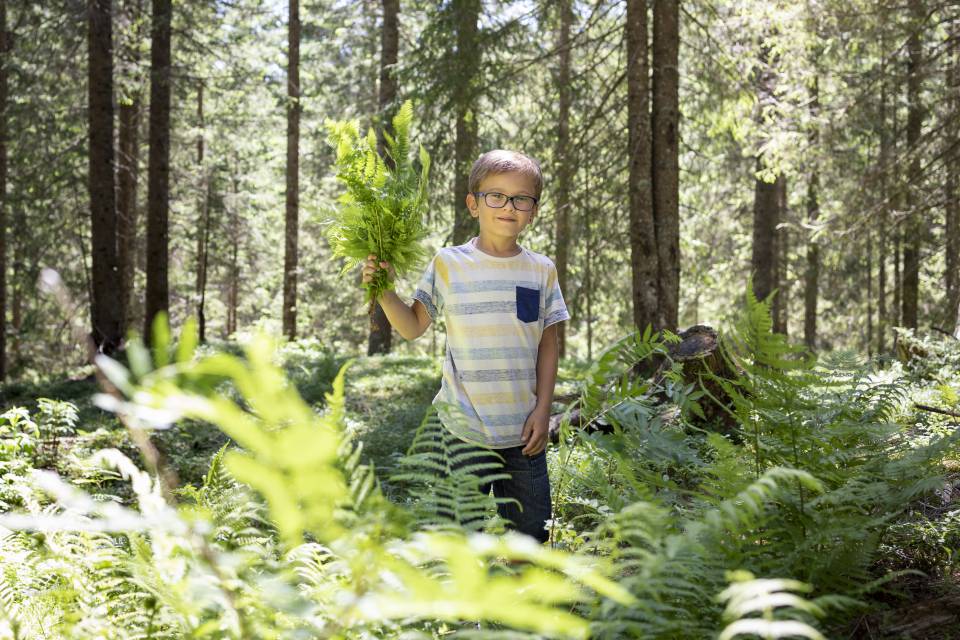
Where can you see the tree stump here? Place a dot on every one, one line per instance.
(698, 352)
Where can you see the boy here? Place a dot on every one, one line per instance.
(501, 303)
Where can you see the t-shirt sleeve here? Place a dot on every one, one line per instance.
(429, 289)
(554, 309)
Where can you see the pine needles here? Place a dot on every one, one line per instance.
(381, 211)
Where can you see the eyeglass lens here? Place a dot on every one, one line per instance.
(498, 200)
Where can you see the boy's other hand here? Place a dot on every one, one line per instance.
(371, 266)
(535, 431)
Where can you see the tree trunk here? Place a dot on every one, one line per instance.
(291, 225)
(158, 171)
(951, 186)
(203, 224)
(812, 284)
(912, 227)
(233, 280)
(381, 333)
(869, 233)
(564, 159)
(468, 61)
(127, 178)
(666, 167)
(644, 256)
(766, 211)
(588, 281)
(766, 200)
(882, 320)
(781, 303)
(106, 312)
(5, 51)
(812, 278)
(17, 242)
(128, 168)
(897, 276)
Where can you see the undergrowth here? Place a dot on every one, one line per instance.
(832, 488)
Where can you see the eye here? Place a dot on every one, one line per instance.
(524, 203)
(495, 199)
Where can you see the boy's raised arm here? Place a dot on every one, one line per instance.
(409, 321)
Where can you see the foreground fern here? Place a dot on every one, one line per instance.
(288, 537)
(443, 487)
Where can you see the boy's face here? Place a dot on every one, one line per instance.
(507, 221)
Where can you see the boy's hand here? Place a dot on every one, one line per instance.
(371, 266)
(536, 431)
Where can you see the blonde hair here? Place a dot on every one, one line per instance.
(504, 161)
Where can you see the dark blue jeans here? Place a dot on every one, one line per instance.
(528, 485)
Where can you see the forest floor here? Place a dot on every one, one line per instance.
(386, 400)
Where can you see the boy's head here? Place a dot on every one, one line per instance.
(504, 191)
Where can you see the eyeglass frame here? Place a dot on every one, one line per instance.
(510, 199)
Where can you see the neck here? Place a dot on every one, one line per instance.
(501, 247)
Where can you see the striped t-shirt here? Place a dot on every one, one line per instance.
(495, 311)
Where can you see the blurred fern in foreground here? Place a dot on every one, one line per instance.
(288, 537)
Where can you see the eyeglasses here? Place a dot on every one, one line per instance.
(496, 200)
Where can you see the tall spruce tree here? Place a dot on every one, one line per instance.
(105, 305)
(644, 256)
(564, 158)
(665, 115)
(913, 231)
(381, 333)
(158, 172)
(467, 54)
(5, 54)
(292, 218)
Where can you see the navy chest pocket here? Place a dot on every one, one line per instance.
(528, 304)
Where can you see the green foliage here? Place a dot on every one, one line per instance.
(442, 483)
(381, 212)
(821, 469)
(231, 560)
(782, 529)
(771, 599)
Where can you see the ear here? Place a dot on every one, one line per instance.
(473, 205)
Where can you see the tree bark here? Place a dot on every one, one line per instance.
(158, 171)
(912, 229)
(468, 61)
(666, 167)
(766, 200)
(644, 255)
(897, 275)
(203, 224)
(128, 168)
(127, 178)
(233, 280)
(781, 303)
(5, 52)
(292, 222)
(105, 307)
(564, 158)
(951, 186)
(882, 320)
(869, 233)
(811, 291)
(765, 220)
(381, 333)
(812, 284)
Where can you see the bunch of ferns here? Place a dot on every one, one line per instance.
(381, 211)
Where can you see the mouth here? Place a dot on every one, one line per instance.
(506, 219)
